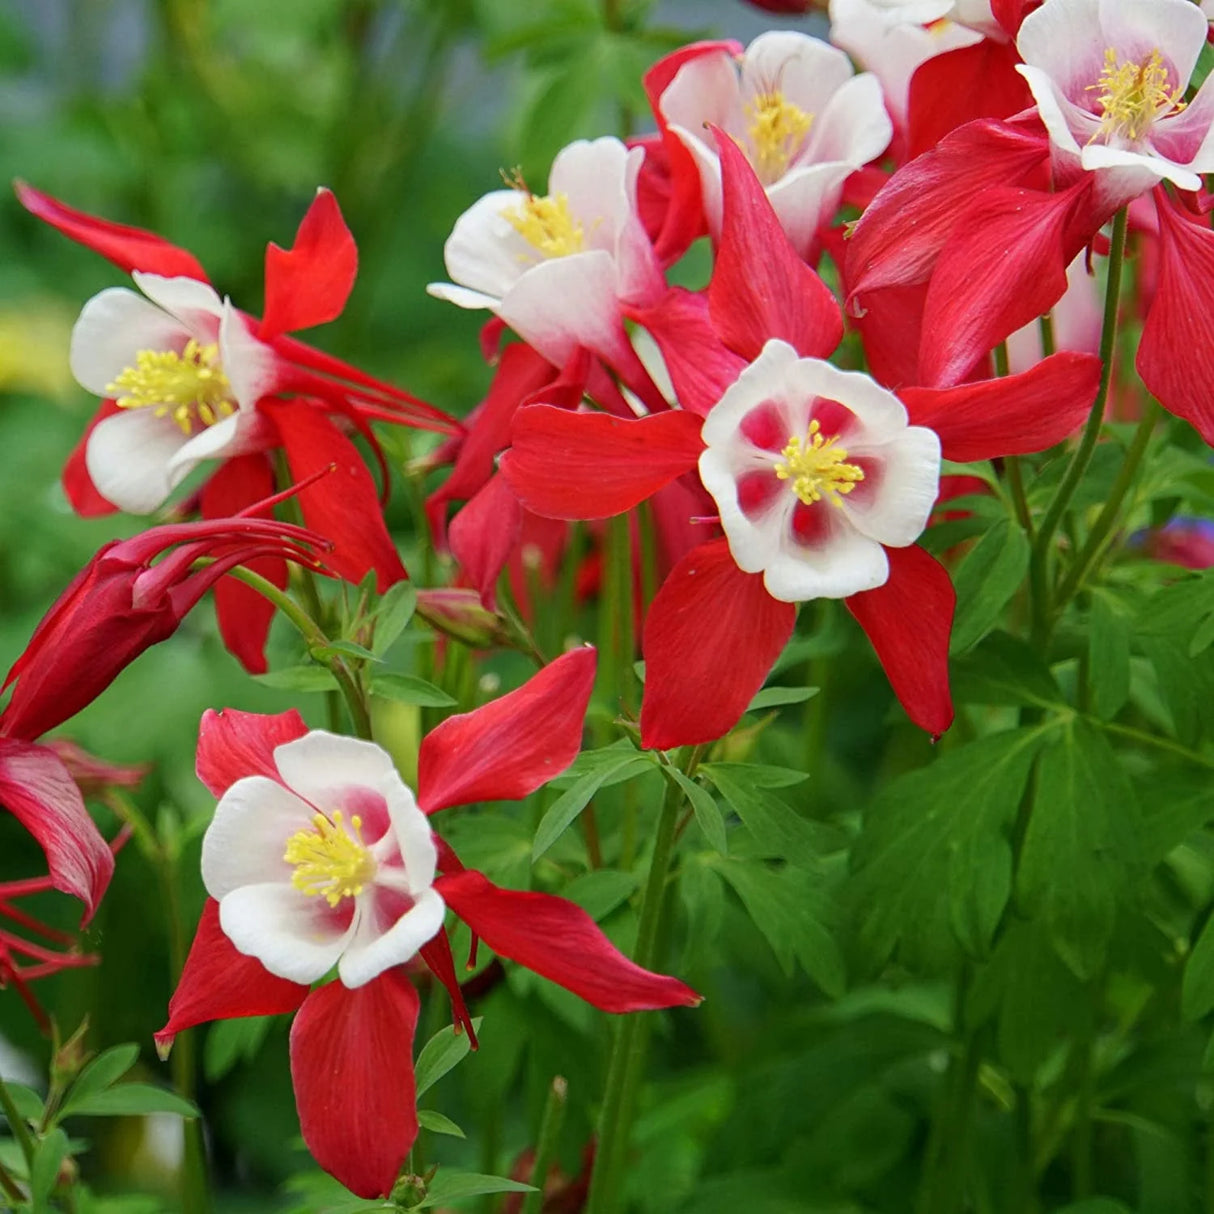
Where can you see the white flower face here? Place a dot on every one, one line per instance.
(814, 471)
(185, 373)
(1109, 78)
(334, 866)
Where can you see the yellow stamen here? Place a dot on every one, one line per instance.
(546, 224)
(817, 468)
(329, 860)
(1132, 95)
(190, 387)
(777, 130)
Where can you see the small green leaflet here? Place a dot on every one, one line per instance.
(777, 697)
(299, 678)
(1108, 654)
(575, 799)
(986, 581)
(1004, 670)
(704, 805)
(436, 1123)
(777, 828)
(48, 1157)
(129, 1099)
(103, 1071)
(409, 689)
(395, 610)
(446, 1049)
(448, 1186)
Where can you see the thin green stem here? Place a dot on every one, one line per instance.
(617, 637)
(10, 1187)
(545, 1144)
(16, 1123)
(1048, 345)
(1015, 477)
(1103, 526)
(1082, 455)
(1148, 739)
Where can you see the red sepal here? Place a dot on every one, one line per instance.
(561, 942)
(711, 637)
(40, 793)
(352, 1067)
(343, 506)
(218, 983)
(1015, 415)
(309, 283)
(593, 465)
(233, 744)
(436, 954)
(508, 748)
(760, 288)
(484, 533)
(81, 493)
(128, 248)
(909, 620)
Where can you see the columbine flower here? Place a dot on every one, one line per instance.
(1109, 78)
(558, 267)
(794, 106)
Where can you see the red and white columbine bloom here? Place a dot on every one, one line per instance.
(795, 107)
(558, 267)
(334, 865)
(185, 372)
(1109, 78)
(814, 470)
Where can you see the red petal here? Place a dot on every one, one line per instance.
(77, 484)
(40, 793)
(592, 465)
(1006, 267)
(244, 615)
(760, 288)
(711, 637)
(128, 248)
(309, 284)
(908, 621)
(561, 942)
(891, 330)
(343, 506)
(352, 1067)
(484, 533)
(949, 90)
(1176, 353)
(1016, 415)
(218, 983)
(507, 748)
(234, 744)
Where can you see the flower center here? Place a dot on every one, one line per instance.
(187, 387)
(329, 860)
(818, 468)
(1132, 95)
(777, 132)
(546, 224)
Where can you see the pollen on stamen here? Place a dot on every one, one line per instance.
(817, 467)
(778, 130)
(545, 222)
(190, 386)
(329, 860)
(1133, 95)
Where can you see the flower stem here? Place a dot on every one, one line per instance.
(1082, 456)
(545, 1145)
(16, 1123)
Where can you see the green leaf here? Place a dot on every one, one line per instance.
(436, 1123)
(106, 1069)
(758, 774)
(933, 863)
(44, 1172)
(29, 1103)
(598, 893)
(704, 805)
(776, 697)
(446, 1049)
(231, 1041)
(1203, 638)
(299, 678)
(777, 828)
(132, 1099)
(409, 689)
(986, 581)
(393, 613)
(1003, 670)
(1197, 989)
(575, 799)
(1096, 1205)
(344, 649)
(1081, 841)
(1108, 655)
(449, 1185)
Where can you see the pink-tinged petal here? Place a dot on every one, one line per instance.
(698, 362)
(484, 533)
(113, 326)
(352, 1068)
(897, 239)
(77, 484)
(1016, 415)
(592, 465)
(949, 90)
(711, 637)
(1007, 267)
(511, 746)
(218, 983)
(760, 287)
(342, 506)
(908, 621)
(128, 456)
(381, 943)
(234, 744)
(128, 248)
(561, 942)
(1176, 353)
(309, 283)
(40, 793)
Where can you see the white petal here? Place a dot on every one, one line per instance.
(208, 443)
(1141, 169)
(293, 935)
(1052, 107)
(709, 167)
(854, 126)
(321, 764)
(704, 89)
(805, 70)
(250, 365)
(1063, 39)
(461, 296)
(591, 175)
(371, 952)
(806, 198)
(484, 252)
(763, 380)
(194, 303)
(897, 512)
(112, 328)
(1137, 28)
(845, 564)
(247, 838)
(880, 412)
(128, 456)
